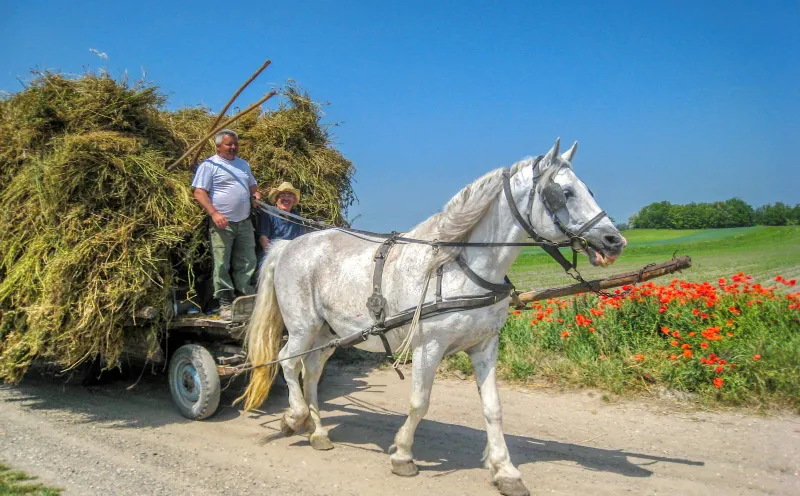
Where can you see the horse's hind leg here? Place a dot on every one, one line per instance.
(425, 361)
(504, 474)
(313, 364)
(300, 340)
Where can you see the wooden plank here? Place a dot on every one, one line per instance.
(615, 281)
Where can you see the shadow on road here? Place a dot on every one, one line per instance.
(440, 447)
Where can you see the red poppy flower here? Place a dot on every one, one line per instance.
(565, 334)
(756, 357)
(638, 357)
(673, 357)
(674, 343)
(719, 369)
(718, 381)
(704, 345)
(687, 353)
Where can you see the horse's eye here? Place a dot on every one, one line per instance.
(568, 193)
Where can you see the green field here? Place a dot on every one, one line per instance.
(763, 252)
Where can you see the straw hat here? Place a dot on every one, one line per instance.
(285, 187)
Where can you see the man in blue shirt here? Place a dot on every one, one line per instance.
(270, 227)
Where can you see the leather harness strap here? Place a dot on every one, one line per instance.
(551, 250)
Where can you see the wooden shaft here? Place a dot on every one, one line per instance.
(614, 281)
(230, 102)
(223, 126)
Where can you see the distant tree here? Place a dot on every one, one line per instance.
(654, 216)
(622, 226)
(632, 220)
(795, 216)
(773, 215)
(738, 213)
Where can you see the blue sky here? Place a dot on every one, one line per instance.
(679, 101)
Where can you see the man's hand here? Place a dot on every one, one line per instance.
(219, 220)
(255, 196)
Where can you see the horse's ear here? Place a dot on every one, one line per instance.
(553, 151)
(570, 154)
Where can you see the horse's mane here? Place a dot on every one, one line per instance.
(461, 214)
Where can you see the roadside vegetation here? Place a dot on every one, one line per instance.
(13, 482)
(722, 336)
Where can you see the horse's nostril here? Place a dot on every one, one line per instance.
(612, 240)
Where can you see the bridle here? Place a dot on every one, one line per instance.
(553, 199)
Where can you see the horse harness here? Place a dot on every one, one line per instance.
(553, 198)
(376, 303)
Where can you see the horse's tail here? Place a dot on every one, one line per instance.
(264, 332)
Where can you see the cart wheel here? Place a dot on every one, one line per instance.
(194, 382)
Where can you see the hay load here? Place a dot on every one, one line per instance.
(96, 228)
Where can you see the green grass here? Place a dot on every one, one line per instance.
(631, 345)
(763, 252)
(13, 482)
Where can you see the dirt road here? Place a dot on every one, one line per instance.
(107, 440)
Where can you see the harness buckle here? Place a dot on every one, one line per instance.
(578, 244)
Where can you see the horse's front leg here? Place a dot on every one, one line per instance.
(504, 474)
(426, 359)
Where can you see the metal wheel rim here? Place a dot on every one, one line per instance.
(186, 382)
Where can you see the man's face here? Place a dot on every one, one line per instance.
(286, 201)
(228, 148)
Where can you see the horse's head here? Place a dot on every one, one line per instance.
(564, 209)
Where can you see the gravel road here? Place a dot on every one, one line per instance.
(110, 440)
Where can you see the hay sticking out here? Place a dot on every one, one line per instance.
(94, 226)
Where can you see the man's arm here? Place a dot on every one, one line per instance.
(263, 241)
(203, 199)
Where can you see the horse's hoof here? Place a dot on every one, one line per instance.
(404, 468)
(322, 443)
(512, 487)
(285, 429)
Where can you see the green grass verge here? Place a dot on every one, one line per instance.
(16, 482)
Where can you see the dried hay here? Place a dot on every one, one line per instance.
(96, 228)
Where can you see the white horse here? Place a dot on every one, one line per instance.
(319, 283)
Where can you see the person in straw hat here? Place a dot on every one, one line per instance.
(285, 197)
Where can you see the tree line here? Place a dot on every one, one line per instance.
(730, 213)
